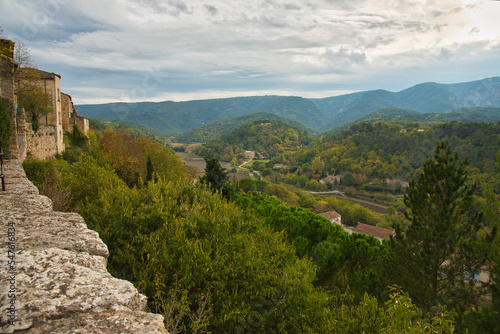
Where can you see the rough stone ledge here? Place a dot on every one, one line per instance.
(61, 281)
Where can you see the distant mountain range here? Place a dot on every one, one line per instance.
(320, 115)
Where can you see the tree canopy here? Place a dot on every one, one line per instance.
(437, 258)
(217, 177)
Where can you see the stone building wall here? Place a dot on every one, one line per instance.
(22, 131)
(64, 116)
(70, 117)
(66, 110)
(41, 144)
(50, 83)
(56, 281)
(8, 68)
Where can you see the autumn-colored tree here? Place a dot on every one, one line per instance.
(317, 165)
(126, 155)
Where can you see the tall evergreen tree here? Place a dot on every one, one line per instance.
(217, 177)
(439, 254)
(149, 169)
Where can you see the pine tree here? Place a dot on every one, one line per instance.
(149, 169)
(217, 177)
(437, 257)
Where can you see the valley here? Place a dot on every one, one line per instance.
(258, 240)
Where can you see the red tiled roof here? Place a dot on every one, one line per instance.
(377, 232)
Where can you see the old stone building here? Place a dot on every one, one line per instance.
(48, 139)
(50, 83)
(8, 69)
(70, 117)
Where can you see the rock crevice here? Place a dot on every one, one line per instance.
(53, 276)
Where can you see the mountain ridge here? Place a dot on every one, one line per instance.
(319, 114)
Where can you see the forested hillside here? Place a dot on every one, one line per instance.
(324, 114)
(425, 98)
(178, 117)
(267, 137)
(247, 262)
(213, 131)
(404, 116)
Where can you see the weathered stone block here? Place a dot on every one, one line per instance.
(59, 279)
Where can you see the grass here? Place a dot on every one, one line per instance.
(250, 164)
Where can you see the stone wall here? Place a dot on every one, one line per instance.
(41, 144)
(8, 68)
(70, 117)
(56, 281)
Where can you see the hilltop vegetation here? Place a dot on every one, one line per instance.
(403, 117)
(324, 114)
(213, 131)
(178, 117)
(398, 153)
(269, 138)
(252, 263)
(136, 129)
(424, 98)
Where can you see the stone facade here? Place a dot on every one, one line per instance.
(59, 282)
(23, 141)
(41, 144)
(50, 83)
(8, 68)
(70, 117)
(22, 133)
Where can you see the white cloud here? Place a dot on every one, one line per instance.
(201, 47)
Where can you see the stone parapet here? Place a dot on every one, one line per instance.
(59, 282)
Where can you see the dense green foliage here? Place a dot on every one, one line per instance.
(213, 131)
(403, 117)
(269, 138)
(440, 250)
(254, 264)
(128, 156)
(342, 259)
(216, 177)
(379, 151)
(323, 114)
(137, 129)
(178, 117)
(5, 125)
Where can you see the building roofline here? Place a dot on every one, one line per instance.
(43, 74)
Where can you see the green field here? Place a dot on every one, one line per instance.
(250, 164)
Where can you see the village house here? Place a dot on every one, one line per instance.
(50, 83)
(70, 117)
(330, 179)
(279, 166)
(249, 154)
(378, 232)
(48, 139)
(333, 216)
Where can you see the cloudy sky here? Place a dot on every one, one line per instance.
(155, 50)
